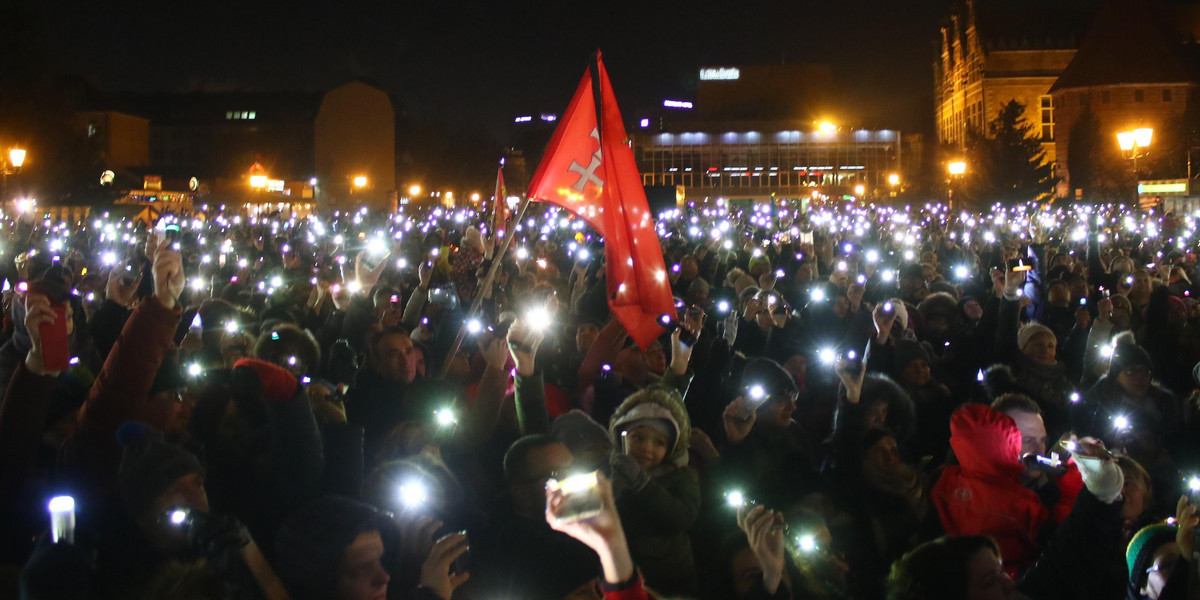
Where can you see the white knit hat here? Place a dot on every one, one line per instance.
(1027, 333)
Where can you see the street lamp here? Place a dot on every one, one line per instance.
(859, 190)
(827, 127)
(258, 181)
(414, 191)
(16, 157)
(12, 166)
(956, 170)
(360, 181)
(1135, 142)
(894, 179)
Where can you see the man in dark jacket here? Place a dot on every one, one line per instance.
(377, 401)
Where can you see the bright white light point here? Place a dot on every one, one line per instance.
(522, 253)
(231, 327)
(1106, 351)
(178, 517)
(808, 543)
(354, 286)
(735, 499)
(1121, 422)
(376, 246)
(444, 417)
(827, 355)
(818, 294)
(61, 504)
(197, 284)
(1194, 484)
(474, 326)
(538, 318)
(757, 392)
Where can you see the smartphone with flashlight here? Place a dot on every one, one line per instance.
(754, 395)
(670, 323)
(1051, 464)
(581, 496)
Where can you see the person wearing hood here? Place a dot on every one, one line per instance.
(982, 494)
(658, 495)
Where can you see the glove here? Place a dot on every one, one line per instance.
(627, 474)
(278, 385)
(1103, 478)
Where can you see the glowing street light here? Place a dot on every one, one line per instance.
(957, 168)
(258, 182)
(360, 181)
(475, 197)
(1135, 142)
(894, 179)
(414, 190)
(826, 127)
(859, 190)
(16, 157)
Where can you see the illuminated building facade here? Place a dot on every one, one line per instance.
(1149, 80)
(994, 52)
(762, 160)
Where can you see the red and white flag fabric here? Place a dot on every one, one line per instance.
(589, 169)
(500, 206)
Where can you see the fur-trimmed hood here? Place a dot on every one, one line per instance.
(656, 402)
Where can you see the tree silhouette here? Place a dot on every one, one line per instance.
(1007, 163)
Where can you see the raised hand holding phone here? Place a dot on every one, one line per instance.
(40, 319)
(168, 276)
(121, 289)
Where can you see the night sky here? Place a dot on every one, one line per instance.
(461, 70)
(479, 63)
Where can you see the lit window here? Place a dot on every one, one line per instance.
(252, 114)
(229, 115)
(245, 115)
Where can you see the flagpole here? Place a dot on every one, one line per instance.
(486, 285)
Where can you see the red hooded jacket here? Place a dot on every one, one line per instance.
(983, 494)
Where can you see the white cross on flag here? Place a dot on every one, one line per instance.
(589, 169)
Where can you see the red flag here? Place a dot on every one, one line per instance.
(500, 208)
(590, 171)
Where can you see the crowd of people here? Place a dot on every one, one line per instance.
(851, 402)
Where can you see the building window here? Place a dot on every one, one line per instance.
(1105, 97)
(1166, 95)
(91, 130)
(238, 115)
(229, 115)
(1047, 118)
(1139, 95)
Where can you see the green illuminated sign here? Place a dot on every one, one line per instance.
(1162, 188)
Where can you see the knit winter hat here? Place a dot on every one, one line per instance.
(907, 351)
(777, 382)
(1142, 547)
(149, 466)
(1127, 354)
(578, 431)
(1029, 331)
(311, 541)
